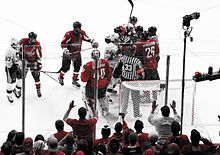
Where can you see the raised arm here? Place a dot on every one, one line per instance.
(71, 105)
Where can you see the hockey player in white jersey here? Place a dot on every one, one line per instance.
(13, 66)
(111, 54)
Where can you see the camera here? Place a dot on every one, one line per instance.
(188, 18)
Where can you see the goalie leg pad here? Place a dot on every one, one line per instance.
(104, 105)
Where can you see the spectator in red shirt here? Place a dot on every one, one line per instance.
(106, 131)
(82, 127)
(28, 146)
(60, 132)
(120, 130)
(142, 137)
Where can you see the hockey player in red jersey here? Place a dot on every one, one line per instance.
(13, 70)
(71, 44)
(152, 30)
(32, 56)
(104, 78)
(147, 50)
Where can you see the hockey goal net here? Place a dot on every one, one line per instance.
(136, 97)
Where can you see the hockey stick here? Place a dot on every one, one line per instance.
(132, 6)
(78, 51)
(51, 77)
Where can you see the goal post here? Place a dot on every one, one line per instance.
(141, 94)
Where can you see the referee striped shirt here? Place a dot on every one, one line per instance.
(132, 66)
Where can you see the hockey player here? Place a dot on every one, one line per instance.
(104, 78)
(147, 51)
(111, 54)
(71, 45)
(31, 49)
(133, 20)
(130, 68)
(13, 70)
(153, 34)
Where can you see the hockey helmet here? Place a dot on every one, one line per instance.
(32, 35)
(95, 54)
(14, 43)
(77, 24)
(133, 19)
(114, 37)
(152, 30)
(144, 35)
(13, 40)
(139, 29)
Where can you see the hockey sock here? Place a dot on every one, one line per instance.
(37, 84)
(62, 74)
(75, 75)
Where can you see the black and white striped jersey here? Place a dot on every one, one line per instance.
(132, 68)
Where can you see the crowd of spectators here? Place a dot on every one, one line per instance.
(125, 140)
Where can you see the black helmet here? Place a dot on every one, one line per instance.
(152, 30)
(144, 35)
(77, 24)
(133, 19)
(139, 29)
(32, 35)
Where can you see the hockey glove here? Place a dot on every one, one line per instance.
(39, 65)
(66, 51)
(90, 103)
(95, 45)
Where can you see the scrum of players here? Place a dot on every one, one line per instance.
(128, 42)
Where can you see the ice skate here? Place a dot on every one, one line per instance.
(39, 92)
(75, 83)
(10, 98)
(17, 93)
(61, 80)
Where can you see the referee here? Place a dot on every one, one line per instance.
(130, 68)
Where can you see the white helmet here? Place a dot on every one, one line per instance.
(14, 43)
(95, 54)
(114, 37)
(13, 40)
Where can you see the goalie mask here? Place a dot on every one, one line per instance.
(95, 54)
